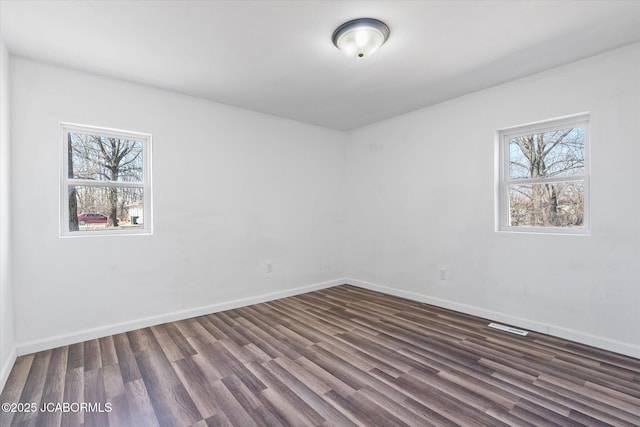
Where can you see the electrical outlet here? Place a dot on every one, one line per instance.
(268, 268)
(444, 273)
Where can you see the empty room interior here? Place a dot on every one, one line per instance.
(300, 213)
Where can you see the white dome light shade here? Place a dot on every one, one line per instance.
(361, 37)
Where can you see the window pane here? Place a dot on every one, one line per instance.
(103, 158)
(547, 154)
(558, 204)
(105, 208)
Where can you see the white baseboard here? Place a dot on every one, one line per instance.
(27, 347)
(532, 325)
(5, 369)
(89, 334)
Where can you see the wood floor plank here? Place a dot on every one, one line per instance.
(54, 386)
(113, 382)
(140, 404)
(229, 406)
(537, 414)
(284, 401)
(394, 408)
(143, 340)
(329, 414)
(94, 393)
(535, 418)
(452, 406)
(224, 323)
(126, 359)
(73, 392)
(212, 329)
(108, 351)
(307, 377)
(171, 402)
(327, 377)
(14, 387)
(198, 386)
(169, 347)
(120, 415)
(92, 356)
(431, 414)
(339, 356)
(75, 357)
(33, 387)
(371, 413)
(180, 340)
(571, 397)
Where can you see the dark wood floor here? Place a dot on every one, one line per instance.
(340, 356)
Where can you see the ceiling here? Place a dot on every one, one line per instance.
(277, 57)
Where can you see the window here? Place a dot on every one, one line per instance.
(105, 181)
(544, 181)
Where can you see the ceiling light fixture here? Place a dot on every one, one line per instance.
(360, 37)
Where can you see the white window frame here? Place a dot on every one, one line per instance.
(504, 180)
(66, 182)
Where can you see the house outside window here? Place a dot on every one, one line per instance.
(105, 181)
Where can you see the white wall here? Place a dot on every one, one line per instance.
(421, 195)
(7, 343)
(233, 190)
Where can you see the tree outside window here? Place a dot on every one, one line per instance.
(544, 181)
(105, 180)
